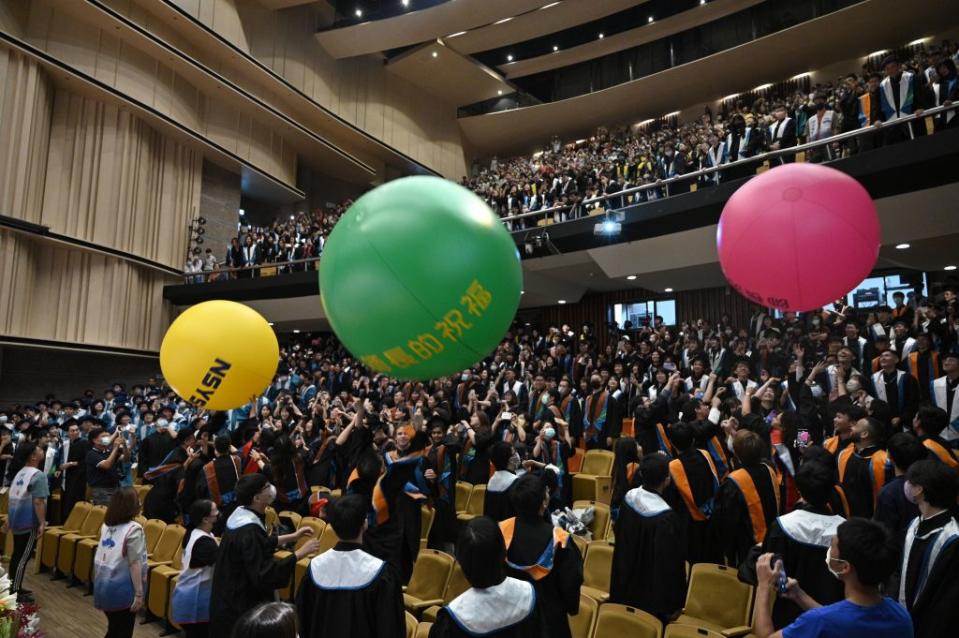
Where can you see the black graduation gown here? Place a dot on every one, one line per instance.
(858, 482)
(161, 501)
(649, 570)
(507, 610)
(557, 593)
(935, 609)
(153, 450)
(496, 504)
(246, 573)
(802, 538)
(700, 547)
(226, 475)
(442, 459)
(348, 592)
(734, 529)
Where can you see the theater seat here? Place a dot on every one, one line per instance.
(50, 542)
(68, 542)
(463, 491)
(427, 514)
(411, 623)
(83, 561)
(431, 574)
(620, 620)
(423, 629)
(597, 569)
(688, 631)
(319, 527)
(167, 546)
(270, 519)
(716, 599)
(475, 505)
(152, 530)
(599, 527)
(581, 625)
(456, 586)
(292, 519)
(594, 480)
(160, 584)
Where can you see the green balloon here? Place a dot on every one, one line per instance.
(420, 279)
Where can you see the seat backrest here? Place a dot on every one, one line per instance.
(620, 620)
(318, 526)
(178, 557)
(431, 573)
(293, 517)
(599, 527)
(457, 584)
(717, 596)
(598, 565)
(463, 491)
(93, 521)
(426, 520)
(328, 539)
(477, 500)
(423, 629)
(411, 623)
(581, 625)
(170, 540)
(77, 516)
(581, 543)
(598, 463)
(269, 519)
(152, 530)
(691, 631)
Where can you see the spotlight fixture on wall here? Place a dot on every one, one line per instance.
(196, 229)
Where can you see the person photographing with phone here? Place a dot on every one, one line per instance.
(861, 555)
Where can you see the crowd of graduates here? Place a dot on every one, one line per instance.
(746, 439)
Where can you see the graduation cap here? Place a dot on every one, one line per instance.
(889, 59)
(949, 355)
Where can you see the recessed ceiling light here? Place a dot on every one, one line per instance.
(242, 212)
(291, 216)
(435, 54)
(649, 19)
(555, 48)
(600, 36)
(522, 292)
(271, 323)
(406, 3)
(631, 277)
(503, 20)
(457, 34)
(562, 301)
(509, 58)
(902, 246)
(702, 2)
(667, 289)
(296, 332)
(499, 92)
(949, 268)
(547, 6)
(359, 13)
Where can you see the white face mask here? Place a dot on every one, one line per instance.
(549, 433)
(104, 441)
(829, 563)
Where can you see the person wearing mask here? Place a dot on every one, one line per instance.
(505, 460)
(802, 537)
(103, 465)
(945, 396)
(748, 500)
(72, 472)
(864, 468)
(120, 564)
(930, 558)
(542, 554)
(166, 479)
(481, 553)
(218, 479)
(267, 620)
(156, 446)
(570, 408)
(602, 419)
(897, 388)
(694, 482)
(893, 509)
(26, 512)
(191, 597)
(347, 591)
(861, 556)
(819, 127)
(246, 573)
(649, 556)
(782, 134)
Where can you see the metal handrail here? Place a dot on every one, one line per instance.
(278, 264)
(685, 177)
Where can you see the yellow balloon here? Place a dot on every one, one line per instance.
(218, 354)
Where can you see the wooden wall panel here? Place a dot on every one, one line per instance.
(26, 107)
(57, 293)
(114, 181)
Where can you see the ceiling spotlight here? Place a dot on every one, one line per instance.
(509, 58)
(270, 322)
(902, 246)
(201, 220)
(631, 277)
(555, 48)
(296, 332)
(600, 36)
(291, 217)
(242, 212)
(563, 301)
(406, 3)
(667, 289)
(499, 92)
(649, 19)
(522, 292)
(702, 2)
(359, 13)
(435, 54)
(949, 268)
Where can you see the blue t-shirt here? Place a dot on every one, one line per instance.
(844, 619)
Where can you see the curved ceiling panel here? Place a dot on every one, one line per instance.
(627, 39)
(855, 30)
(553, 17)
(420, 26)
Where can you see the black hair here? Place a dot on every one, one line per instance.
(268, 620)
(681, 435)
(481, 553)
(94, 433)
(932, 419)
(815, 483)
(249, 486)
(20, 458)
(877, 431)
(369, 466)
(199, 510)
(905, 449)
(527, 495)
(625, 452)
(500, 454)
(346, 515)
(222, 444)
(655, 469)
(281, 458)
(689, 409)
(868, 547)
(938, 481)
(852, 412)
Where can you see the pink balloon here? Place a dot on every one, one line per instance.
(798, 237)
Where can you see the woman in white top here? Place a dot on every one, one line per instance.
(120, 570)
(191, 598)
